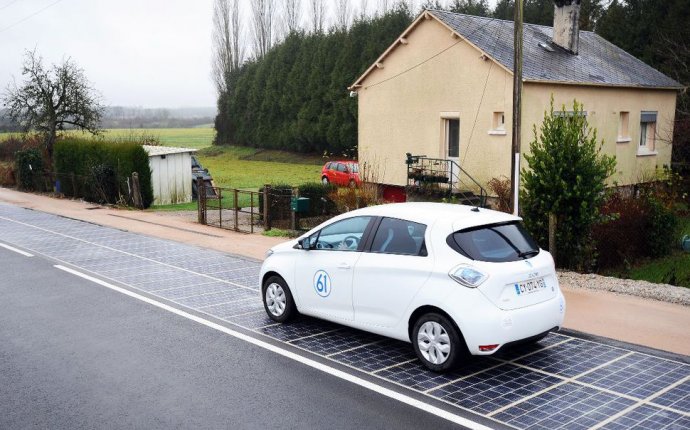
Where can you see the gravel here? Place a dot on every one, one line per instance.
(648, 290)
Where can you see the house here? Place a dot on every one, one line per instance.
(444, 88)
(171, 174)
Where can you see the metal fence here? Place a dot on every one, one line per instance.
(250, 211)
(229, 208)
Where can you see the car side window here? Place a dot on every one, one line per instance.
(397, 236)
(345, 235)
(333, 166)
(341, 167)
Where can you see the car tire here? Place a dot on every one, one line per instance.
(437, 342)
(324, 181)
(278, 301)
(352, 184)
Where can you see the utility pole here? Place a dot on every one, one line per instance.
(517, 106)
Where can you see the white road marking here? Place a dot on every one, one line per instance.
(441, 413)
(18, 251)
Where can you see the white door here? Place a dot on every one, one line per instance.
(324, 273)
(452, 146)
(389, 276)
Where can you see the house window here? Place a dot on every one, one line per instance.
(453, 137)
(623, 127)
(647, 133)
(498, 124)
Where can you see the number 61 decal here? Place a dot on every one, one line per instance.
(322, 283)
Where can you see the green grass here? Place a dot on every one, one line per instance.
(674, 268)
(250, 169)
(195, 138)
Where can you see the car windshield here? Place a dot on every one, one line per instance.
(494, 243)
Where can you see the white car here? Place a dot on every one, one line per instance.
(453, 280)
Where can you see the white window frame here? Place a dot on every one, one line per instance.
(498, 124)
(623, 127)
(644, 148)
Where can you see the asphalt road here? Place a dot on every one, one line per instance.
(74, 354)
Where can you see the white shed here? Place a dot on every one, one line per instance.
(171, 174)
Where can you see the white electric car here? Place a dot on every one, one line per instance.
(453, 280)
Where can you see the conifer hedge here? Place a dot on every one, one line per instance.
(107, 163)
(295, 98)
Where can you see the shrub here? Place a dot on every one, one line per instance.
(566, 177)
(320, 202)
(633, 227)
(7, 174)
(280, 196)
(660, 228)
(501, 188)
(94, 160)
(29, 169)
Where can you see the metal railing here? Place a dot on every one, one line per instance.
(443, 177)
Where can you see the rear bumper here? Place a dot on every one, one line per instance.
(485, 324)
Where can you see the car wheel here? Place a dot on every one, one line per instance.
(437, 342)
(278, 301)
(352, 184)
(324, 180)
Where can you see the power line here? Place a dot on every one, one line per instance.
(29, 16)
(462, 38)
(8, 4)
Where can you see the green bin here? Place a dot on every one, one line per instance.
(299, 204)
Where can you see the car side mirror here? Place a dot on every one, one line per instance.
(346, 170)
(304, 244)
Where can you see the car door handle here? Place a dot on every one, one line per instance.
(344, 266)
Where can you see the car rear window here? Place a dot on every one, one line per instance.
(494, 243)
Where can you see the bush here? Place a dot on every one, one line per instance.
(7, 174)
(634, 227)
(660, 228)
(103, 161)
(566, 177)
(280, 196)
(319, 201)
(501, 188)
(29, 169)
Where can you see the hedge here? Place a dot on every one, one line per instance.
(108, 164)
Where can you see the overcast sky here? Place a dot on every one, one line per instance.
(150, 53)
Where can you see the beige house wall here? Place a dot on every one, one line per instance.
(436, 75)
(604, 106)
(402, 112)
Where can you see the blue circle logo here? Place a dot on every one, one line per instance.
(322, 283)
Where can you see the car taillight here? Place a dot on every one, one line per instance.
(468, 276)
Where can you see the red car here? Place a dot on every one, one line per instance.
(344, 173)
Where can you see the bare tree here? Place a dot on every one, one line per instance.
(262, 19)
(363, 6)
(50, 100)
(384, 6)
(292, 14)
(227, 51)
(343, 14)
(318, 12)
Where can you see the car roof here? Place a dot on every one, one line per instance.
(461, 216)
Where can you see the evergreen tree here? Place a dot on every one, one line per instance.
(566, 177)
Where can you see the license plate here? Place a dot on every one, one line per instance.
(530, 287)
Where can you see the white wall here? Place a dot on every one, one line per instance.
(171, 178)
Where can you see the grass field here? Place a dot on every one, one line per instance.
(196, 138)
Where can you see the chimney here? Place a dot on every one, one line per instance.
(566, 24)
